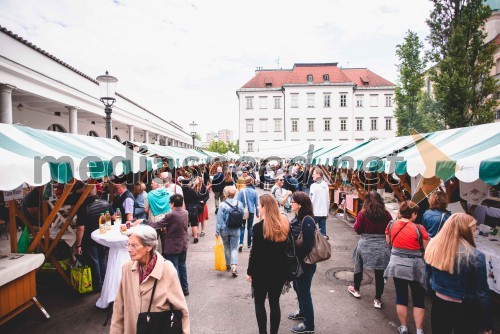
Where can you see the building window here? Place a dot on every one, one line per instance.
(343, 100)
(277, 125)
(295, 100)
(249, 126)
(327, 125)
(388, 100)
(373, 124)
(359, 100)
(373, 100)
(343, 125)
(57, 128)
(310, 125)
(295, 125)
(92, 133)
(249, 102)
(388, 123)
(277, 102)
(359, 124)
(310, 78)
(263, 102)
(326, 77)
(115, 137)
(497, 114)
(326, 100)
(310, 100)
(250, 147)
(263, 125)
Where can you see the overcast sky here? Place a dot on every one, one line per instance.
(184, 60)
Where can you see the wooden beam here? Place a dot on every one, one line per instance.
(12, 226)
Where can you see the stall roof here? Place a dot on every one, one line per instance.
(180, 156)
(39, 156)
(329, 157)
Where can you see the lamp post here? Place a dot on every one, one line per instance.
(216, 139)
(193, 132)
(107, 85)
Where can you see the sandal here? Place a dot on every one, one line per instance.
(353, 292)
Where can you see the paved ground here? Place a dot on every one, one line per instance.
(219, 303)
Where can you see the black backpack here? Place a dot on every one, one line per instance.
(293, 263)
(235, 219)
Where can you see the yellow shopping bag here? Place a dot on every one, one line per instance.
(220, 260)
(81, 278)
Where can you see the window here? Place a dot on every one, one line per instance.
(277, 102)
(249, 102)
(310, 125)
(359, 124)
(57, 128)
(249, 125)
(92, 133)
(497, 114)
(295, 100)
(250, 147)
(277, 125)
(295, 125)
(343, 100)
(327, 125)
(326, 100)
(310, 100)
(388, 123)
(263, 125)
(310, 78)
(388, 100)
(343, 125)
(326, 77)
(359, 100)
(263, 102)
(373, 100)
(373, 124)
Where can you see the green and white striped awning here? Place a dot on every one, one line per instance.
(179, 156)
(39, 156)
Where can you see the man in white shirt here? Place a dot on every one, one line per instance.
(320, 199)
(280, 193)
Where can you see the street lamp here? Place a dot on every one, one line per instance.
(107, 85)
(193, 132)
(216, 139)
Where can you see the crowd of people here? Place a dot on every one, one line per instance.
(434, 257)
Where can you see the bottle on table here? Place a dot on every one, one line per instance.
(107, 216)
(118, 217)
(102, 223)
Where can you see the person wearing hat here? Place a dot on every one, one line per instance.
(280, 193)
(248, 196)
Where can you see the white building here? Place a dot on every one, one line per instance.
(316, 103)
(41, 91)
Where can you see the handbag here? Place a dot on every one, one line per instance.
(220, 259)
(321, 251)
(246, 214)
(81, 278)
(294, 267)
(164, 322)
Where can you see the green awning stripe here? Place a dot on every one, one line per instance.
(489, 171)
(16, 147)
(445, 170)
(401, 167)
(479, 147)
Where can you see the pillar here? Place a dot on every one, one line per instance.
(146, 136)
(131, 136)
(6, 103)
(73, 119)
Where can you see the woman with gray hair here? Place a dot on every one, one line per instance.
(146, 268)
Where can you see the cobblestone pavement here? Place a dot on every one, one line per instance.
(219, 303)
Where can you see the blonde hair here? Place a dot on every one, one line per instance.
(229, 191)
(276, 225)
(139, 188)
(454, 242)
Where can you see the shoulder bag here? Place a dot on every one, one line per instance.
(321, 251)
(164, 322)
(246, 213)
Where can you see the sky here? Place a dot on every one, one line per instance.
(185, 60)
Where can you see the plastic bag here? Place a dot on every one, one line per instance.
(81, 278)
(24, 241)
(220, 259)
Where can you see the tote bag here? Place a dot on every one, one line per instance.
(321, 251)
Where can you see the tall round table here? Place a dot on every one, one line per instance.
(117, 256)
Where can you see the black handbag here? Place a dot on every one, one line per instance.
(164, 322)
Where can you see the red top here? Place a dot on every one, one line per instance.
(365, 225)
(404, 235)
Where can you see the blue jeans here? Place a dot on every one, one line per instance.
(302, 286)
(249, 228)
(95, 257)
(179, 262)
(321, 221)
(230, 239)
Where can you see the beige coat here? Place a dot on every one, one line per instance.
(132, 298)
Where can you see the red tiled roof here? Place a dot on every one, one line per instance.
(299, 73)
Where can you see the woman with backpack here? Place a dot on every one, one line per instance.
(406, 265)
(229, 222)
(267, 265)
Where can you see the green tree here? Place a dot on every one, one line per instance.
(411, 69)
(427, 106)
(197, 136)
(234, 146)
(462, 83)
(218, 146)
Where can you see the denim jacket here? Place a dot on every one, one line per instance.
(468, 284)
(223, 216)
(251, 196)
(432, 220)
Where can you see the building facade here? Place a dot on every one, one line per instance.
(316, 103)
(225, 135)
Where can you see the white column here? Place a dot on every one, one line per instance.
(157, 141)
(73, 119)
(131, 136)
(146, 136)
(6, 103)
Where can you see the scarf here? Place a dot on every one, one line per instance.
(149, 269)
(159, 201)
